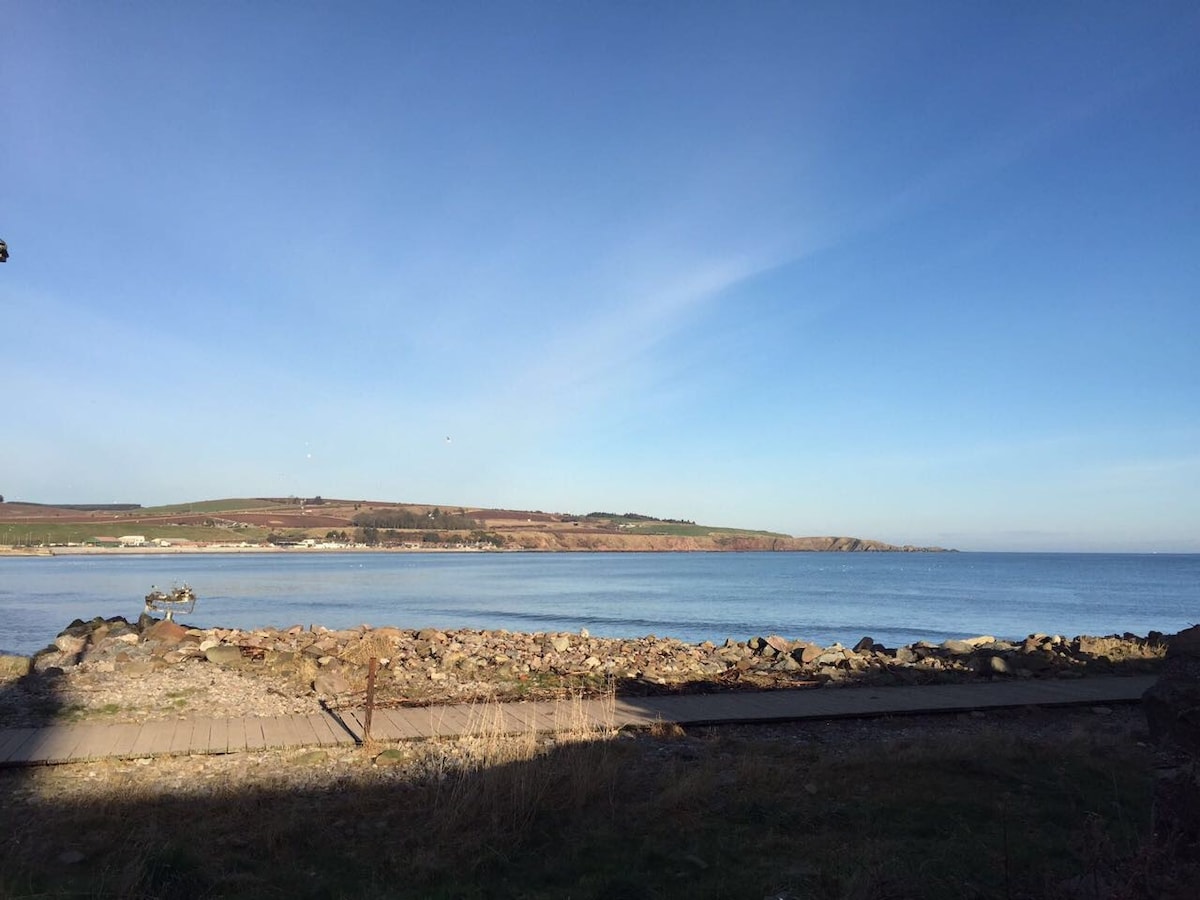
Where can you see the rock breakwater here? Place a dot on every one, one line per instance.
(156, 668)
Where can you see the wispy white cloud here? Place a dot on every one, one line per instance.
(608, 351)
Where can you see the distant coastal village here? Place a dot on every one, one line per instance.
(312, 524)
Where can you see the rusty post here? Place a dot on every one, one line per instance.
(372, 667)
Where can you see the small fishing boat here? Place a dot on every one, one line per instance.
(178, 599)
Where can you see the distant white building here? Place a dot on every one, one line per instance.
(132, 540)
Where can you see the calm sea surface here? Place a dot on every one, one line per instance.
(895, 598)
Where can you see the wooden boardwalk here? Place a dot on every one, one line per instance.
(89, 741)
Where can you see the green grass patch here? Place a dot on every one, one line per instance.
(87, 532)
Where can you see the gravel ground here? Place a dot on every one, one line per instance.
(186, 690)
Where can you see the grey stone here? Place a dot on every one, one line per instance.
(1038, 662)
(958, 648)
(331, 683)
(906, 655)
(391, 757)
(165, 631)
(779, 644)
(223, 655)
(52, 659)
(70, 643)
(981, 641)
(807, 653)
(141, 666)
(999, 666)
(310, 758)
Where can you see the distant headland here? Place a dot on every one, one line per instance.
(317, 523)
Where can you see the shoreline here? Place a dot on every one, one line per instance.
(132, 671)
(257, 548)
(159, 551)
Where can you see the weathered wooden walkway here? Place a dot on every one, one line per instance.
(88, 741)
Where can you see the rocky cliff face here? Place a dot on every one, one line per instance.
(565, 540)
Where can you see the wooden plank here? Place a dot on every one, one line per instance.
(254, 734)
(449, 721)
(385, 726)
(337, 734)
(12, 739)
(402, 723)
(303, 729)
(95, 740)
(61, 742)
(235, 735)
(181, 738)
(154, 738)
(520, 719)
(45, 745)
(58, 743)
(416, 718)
(27, 750)
(590, 714)
(201, 730)
(351, 722)
(536, 716)
(340, 729)
(125, 736)
(278, 733)
(482, 720)
(218, 736)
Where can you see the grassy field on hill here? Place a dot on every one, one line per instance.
(79, 533)
(211, 506)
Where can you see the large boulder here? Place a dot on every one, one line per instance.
(331, 683)
(70, 643)
(165, 631)
(224, 655)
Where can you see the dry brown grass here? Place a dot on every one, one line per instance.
(975, 808)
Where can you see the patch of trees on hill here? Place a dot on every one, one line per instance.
(403, 518)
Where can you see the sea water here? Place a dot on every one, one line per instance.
(894, 598)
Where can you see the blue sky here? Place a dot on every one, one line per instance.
(920, 272)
